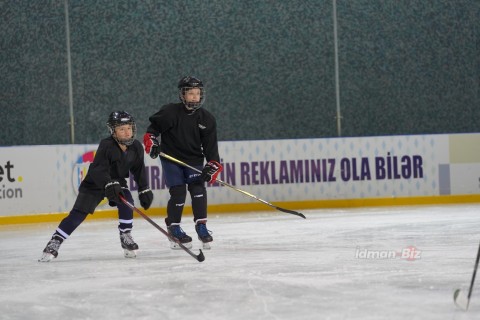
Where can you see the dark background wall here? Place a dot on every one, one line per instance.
(405, 66)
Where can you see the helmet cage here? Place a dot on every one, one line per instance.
(189, 83)
(192, 105)
(120, 118)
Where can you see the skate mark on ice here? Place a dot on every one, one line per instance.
(265, 306)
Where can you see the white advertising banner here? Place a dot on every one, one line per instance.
(44, 179)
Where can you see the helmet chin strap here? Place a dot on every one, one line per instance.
(126, 142)
(190, 110)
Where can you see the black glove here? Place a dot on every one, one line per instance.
(211, 171)
(113, 191)
(152, 147)
(146, 198)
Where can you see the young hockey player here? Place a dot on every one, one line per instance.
(188, 133)
(116, 157)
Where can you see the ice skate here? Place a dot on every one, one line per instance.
(128, 244)
(177, 232)
(204, 235)
(51, 250)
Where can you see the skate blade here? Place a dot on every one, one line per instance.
(176, 246)
(206, 246)
(129, 253)
(46, 257)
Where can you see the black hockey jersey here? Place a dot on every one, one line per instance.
(111, 163)
(184, 135)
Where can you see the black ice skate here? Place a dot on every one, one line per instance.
(128, 244)
(177, 232)
(51, 250)
(204, 235)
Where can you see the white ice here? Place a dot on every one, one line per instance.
(263, 265)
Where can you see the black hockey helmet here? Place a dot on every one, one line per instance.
(120, 118)
(187, 83)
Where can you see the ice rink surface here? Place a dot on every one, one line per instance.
(363, 263)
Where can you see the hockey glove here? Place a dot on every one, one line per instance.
(152, 147)
(146, 198)
(113, 191)
(211, 171)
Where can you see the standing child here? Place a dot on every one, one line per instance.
(188, 133)
(116, 157)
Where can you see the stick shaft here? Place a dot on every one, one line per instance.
(473, 276)
(166, 156)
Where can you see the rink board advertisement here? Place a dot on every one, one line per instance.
(44, 179)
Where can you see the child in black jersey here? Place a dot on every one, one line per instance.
(116, 157)
(187, 133)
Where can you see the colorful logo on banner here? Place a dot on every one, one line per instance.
(80, 170)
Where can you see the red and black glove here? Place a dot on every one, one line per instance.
(152, 147)
(211, 171)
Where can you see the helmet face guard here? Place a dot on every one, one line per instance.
(189, 83)
(120, 118)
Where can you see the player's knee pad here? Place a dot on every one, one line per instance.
(178, 194)
(175, 205)
(197, 190)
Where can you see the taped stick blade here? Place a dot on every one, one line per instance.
(291, 212)
(200, 256)
(460, 299)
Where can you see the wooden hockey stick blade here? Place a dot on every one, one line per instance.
(461, 300)
(200, 257)
(166, 156)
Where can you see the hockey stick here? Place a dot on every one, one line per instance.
(166, 156)
(200, 257)
(459, 297)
